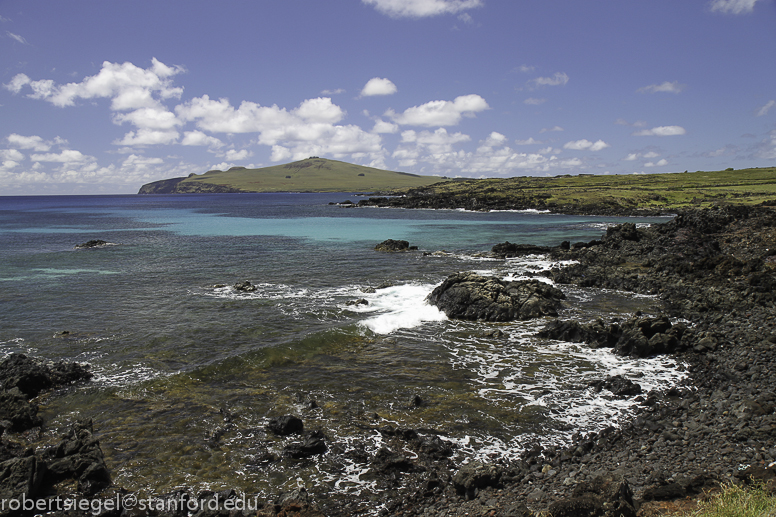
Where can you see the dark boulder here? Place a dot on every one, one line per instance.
(605, 496)
(507, 250)
(475, 476)
(32, 376)
(245, 287)
(618, 385)
(94, 243)
(625, 231)
(385, 460)
(78, 456)
(391, 245)
(285, 425)
(20, 478)
(17, 413)
(314, 443)
(470, 296)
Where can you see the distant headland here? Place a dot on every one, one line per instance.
(310, 175)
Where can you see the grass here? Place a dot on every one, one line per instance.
(736, 501)
(311, 175)
(666, 191)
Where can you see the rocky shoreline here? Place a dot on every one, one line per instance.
(713, 270)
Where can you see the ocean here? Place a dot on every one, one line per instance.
(188, 370)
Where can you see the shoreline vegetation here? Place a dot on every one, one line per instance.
(712, 269)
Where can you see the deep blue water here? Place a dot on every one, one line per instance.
(172, 343)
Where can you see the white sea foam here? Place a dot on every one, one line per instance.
(552, 378)
(399, 307)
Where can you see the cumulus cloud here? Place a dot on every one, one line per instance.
(150, 118)
(530, 141)
(733, 6)
(532, 101)
(559, 79)
(662, 131)
(440, 113)
(586, 145)
(381, 126)
(34, 142)
(765, 109)
(221, 117)
(554, 128)
(66, 156)
(235, 156)
(666, 87)
(145, 136)
(199, 138)
(338, 91)
(129, 86)
(378, 86)
(18, 82)
(661, 163)
(422, 8)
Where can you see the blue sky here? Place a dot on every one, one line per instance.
(102, 96)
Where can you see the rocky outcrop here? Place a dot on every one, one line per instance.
(471, 296)
(94, 243)
(161, 187)
(638, 336)
(391, 245)
(22, 378)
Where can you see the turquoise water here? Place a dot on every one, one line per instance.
(174, 346)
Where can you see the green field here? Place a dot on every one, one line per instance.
(667, 191)
(310, 175)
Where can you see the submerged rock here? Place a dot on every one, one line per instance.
(285, 425)
(471, 296)
(94, 243)
(313, 444)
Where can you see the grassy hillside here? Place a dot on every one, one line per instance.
(602, 193)
(310, 175)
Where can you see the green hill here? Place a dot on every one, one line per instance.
(311, 175)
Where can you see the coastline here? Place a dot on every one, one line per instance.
(725, 294)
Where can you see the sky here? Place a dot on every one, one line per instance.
(100, 97)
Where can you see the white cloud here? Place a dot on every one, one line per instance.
(18, 82)
(586, 145)
(559, 79)
(466, 18)
(662, 131)
(733, 6)
(16, 37)
(66, 156)
(661, 163)
(129, 86)
(378, 86)
(338, 91)
(632, 157)
(530, 141)
(555, 128)
(11, 155)
(221, 117)
(532, 101)
(145, 136)
(199, 138)
(421, 8)
(666, 87)
(151, 118)
(440, 113)
(233, 155)
(526, 69)
(381, 126)
(34, 142)
(765, 109)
